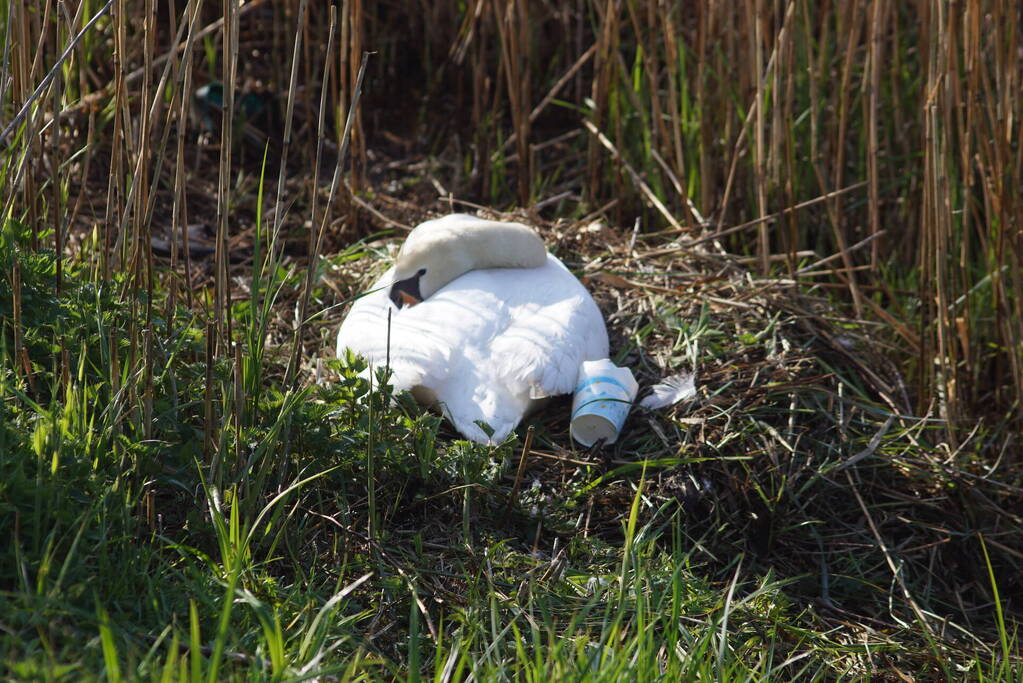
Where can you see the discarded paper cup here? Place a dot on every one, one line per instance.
(603, 396)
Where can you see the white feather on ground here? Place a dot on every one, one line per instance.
(670, 391)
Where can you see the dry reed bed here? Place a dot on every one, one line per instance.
(743, 109)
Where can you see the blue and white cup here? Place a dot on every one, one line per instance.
(603, 397)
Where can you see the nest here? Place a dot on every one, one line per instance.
(799, 450)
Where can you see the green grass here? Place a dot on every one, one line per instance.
(134, 554)
(193, 488)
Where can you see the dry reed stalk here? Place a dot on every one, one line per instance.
(21, 84)
(675, 77)
(527, 446)
(603, 67)
(5, 60)
(179, 209)
(936, 227)
(114, 186)
(340, 108)
(875, 55)
(140, 201)
(335, 184)
(143, 231)
(703, 27)
(640, 184)
(286, 144)
(790, 172)
(551, 94)
(74, 37)
(315, 235)
(512, 32)
(356, 40)
(321, 118)
(170, 77)
(90, 153)
(841, 130)
(755, 17)
(222, 287)
(58, 216)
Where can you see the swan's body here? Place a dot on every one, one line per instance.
(489, 343)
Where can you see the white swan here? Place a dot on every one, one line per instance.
(484, 323)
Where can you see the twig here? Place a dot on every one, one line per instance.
(54, 70)
(771, 217)
(833, 257)
(363, 204)
(888, 558)
(345, 138)
(572, 71)
(643, 187)
(526, 446)
(871, 448)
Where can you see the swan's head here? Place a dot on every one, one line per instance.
(438, 251)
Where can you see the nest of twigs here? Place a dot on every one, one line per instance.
(799, 452)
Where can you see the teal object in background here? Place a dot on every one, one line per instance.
(254, 116)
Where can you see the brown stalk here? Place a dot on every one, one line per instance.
(355, 61)
(838, 224)
(513, 35)
(813, 266)
(143, 232)
(22, 80)
(553, 92)
(114, 187)
(179, 210)
(90, 138)
(937, 205)
(636, 179)
(334, 185)
(748, 224)
(58, 182)
(527, 445)
(741, 139)
(222, 299)
(314, 234)
(756, 17)
(603, 66)
(286, 144)
(875, 55)
(669, 33)
(784, 127)
(139, 202)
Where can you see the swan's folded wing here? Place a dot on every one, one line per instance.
(550, 336)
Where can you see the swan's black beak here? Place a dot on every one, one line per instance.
(406, 292)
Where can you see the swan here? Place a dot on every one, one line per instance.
(484, 323)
